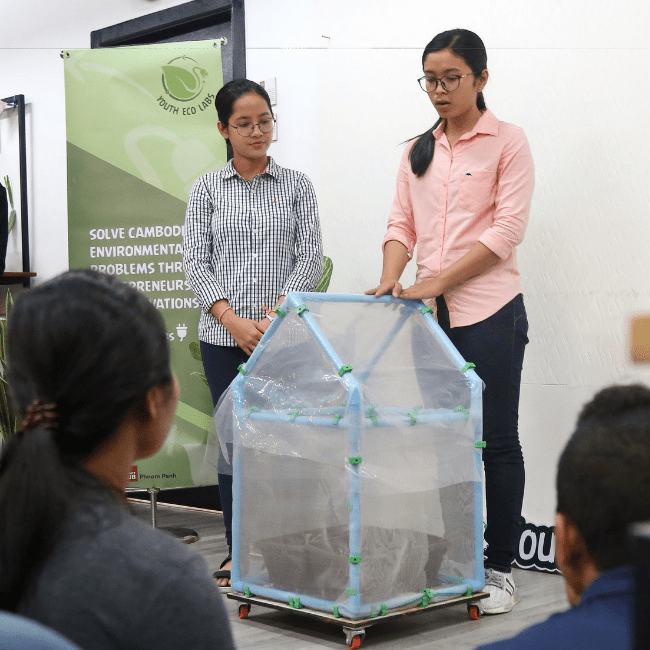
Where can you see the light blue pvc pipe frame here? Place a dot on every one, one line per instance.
(352, 608)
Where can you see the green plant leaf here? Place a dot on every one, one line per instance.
(201, 376)
(12, 214)
(9, 193)
(195, 349)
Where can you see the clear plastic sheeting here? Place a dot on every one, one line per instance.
(352, 437)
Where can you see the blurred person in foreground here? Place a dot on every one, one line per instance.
(603, 479)
(89, 367)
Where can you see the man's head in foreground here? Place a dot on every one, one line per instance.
(603, 485)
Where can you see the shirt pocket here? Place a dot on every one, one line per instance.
(282, 208)
(282, 215)
(477, 190)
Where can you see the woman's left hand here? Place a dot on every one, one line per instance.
(427, 289)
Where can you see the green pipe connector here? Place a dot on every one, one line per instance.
(354, 460)
(355, 559)
(295, 602)
(337, 418)
(344, 369)
(372, 415)
(335, 609)
(247, 592)
(242, 368)
(300, 309)
(467, 366)
(426, 310)
(480, 445)
(296, 413)
(252, 409)
(462, 409)
(413, 414)
(427, 596)
(351, 592)
(279, 311)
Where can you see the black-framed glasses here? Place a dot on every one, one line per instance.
(246, 129)
(449, 82)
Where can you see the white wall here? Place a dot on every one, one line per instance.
(573, 75)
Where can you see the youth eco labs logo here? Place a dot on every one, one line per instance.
(183, 80)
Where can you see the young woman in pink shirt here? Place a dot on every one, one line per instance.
(463, 197)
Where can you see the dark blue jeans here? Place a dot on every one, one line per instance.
(220, 363)
(496, 346)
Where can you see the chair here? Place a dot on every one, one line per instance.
(20, 633)
(324, 282)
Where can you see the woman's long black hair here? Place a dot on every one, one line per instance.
(469, 47)
(93, 346)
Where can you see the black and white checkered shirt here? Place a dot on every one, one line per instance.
(250, 242)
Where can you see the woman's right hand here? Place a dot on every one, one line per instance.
(396, 257)
(247, 333)
(392, 287)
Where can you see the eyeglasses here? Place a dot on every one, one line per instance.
(246, 130)
(449, 82)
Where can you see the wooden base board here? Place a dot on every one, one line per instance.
(359, 624)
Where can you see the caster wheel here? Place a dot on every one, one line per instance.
(244, 610)
(354, 637)
(474, 612)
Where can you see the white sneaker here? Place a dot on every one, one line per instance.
(502, 590)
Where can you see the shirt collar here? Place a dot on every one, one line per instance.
(272, 169)
(487, 124)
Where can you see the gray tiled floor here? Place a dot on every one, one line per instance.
(266, 629)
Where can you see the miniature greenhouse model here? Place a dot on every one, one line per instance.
(356, 452)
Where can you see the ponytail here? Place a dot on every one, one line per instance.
(421, 154)
(34, 495)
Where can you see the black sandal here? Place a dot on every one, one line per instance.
(223, 573)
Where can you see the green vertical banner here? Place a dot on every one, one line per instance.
(141, 127)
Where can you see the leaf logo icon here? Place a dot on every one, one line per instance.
(182, 80)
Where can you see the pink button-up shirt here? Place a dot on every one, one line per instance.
(478, 191)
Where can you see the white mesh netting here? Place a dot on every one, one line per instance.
(361, 488)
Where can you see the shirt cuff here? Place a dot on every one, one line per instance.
(497, 244)
(209, 297)
(402, 239)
